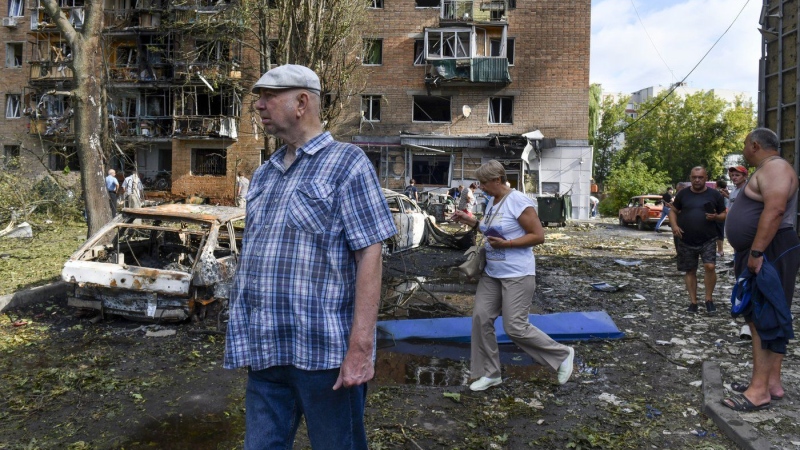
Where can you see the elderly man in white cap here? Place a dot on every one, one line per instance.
(305, 297)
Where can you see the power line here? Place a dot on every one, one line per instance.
(680, 83)
(651, 40)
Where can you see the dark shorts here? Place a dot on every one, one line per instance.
(688, 254)
(786, 265)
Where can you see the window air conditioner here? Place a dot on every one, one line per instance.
(10, 22)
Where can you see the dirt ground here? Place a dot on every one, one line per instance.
(76, 383)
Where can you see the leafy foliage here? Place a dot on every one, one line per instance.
(606, 139)
(681, 133)
(630, 179)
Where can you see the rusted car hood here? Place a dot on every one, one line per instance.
(126, 277)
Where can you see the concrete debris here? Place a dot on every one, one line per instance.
(160, 333)
(20, 231)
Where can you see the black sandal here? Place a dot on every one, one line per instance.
(742, 404)
(741, 387)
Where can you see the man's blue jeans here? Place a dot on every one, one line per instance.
(664, 214)
(278, 397)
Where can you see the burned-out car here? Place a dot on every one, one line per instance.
(410, 221)
(643, 210)
(162, 263)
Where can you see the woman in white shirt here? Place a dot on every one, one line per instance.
(506, 287)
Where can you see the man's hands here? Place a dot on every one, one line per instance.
(676, 231)
(356, 368)
(754, 264)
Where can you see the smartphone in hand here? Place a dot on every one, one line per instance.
(492, 232)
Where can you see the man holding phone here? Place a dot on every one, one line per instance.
(693, 218)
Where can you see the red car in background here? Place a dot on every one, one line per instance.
(643, 210)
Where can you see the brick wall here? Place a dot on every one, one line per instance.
(244, 154)
(550, 76)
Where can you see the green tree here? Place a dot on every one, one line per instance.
(595, 93)
(627, 180)
(681, 133)
(607, 139)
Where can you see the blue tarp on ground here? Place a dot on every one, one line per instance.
(571, 326)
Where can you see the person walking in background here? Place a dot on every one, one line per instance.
(666, 205)
(738, 176)
(411, 191)
(305, 296)
(722, 187)
(506, 287)
(693, 218)
(112, 185)
(760, 229)
(133, 190)
(242, 185)
(593, 202)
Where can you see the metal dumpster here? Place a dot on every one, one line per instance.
(554, 210)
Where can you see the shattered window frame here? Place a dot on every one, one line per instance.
(419, 52)
(16, 8)
(13, 106)
(372, 52)
(11, 154)
(209, 162)
(14, 51)
(371, 107)
(501, 110)
(422, 109)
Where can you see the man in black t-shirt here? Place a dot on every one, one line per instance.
(693, 219)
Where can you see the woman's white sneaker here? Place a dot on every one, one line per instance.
(565, 369)
(484, 383)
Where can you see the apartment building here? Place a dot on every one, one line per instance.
(451, 84)
(454, 83)
(174, 90)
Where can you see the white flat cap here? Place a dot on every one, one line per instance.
(289, 76)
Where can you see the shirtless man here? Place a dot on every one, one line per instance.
(761, 225)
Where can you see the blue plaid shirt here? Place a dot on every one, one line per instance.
(293, 296)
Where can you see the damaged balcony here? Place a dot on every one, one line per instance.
(74, 10)
(140, 58)
(50, 117)
(50, 60)
(133, 14)
(466, 56)
(141, 115)
(200, 112)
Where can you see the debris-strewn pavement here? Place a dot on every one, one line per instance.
(71, 381)
(710, 341)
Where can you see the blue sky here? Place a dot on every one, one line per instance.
(623, 58)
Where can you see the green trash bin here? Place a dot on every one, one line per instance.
(554, 209)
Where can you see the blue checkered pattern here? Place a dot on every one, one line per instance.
(293, 295)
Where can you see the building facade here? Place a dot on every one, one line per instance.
(455, 83)
(174, 89)
(450, 85)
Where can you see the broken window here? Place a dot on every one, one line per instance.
(376, 4)
(427, 3)
(64, 157)
(496, 49)
(448, 44)
(431, 169)
(419, 52)
(208, 52)
(431, 109)
(209, 161)
(373, 52)
(371, 108)
(501, 110)
(15, 8)
(14, 54)
(13, 106)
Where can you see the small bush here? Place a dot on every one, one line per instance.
(21, 197)
(629, 180)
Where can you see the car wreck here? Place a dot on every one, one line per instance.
(163, 263)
